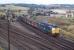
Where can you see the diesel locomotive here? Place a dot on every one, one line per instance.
(51, 29)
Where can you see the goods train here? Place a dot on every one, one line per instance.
(51, 29)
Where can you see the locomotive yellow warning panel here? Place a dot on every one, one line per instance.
(55, 30)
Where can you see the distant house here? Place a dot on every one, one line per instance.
(44, 12)
(14, 11)
(68, 13)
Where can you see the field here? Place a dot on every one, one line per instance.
(66, 25)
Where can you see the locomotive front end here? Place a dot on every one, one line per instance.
(55, 31)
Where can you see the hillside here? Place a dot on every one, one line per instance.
(51, 6)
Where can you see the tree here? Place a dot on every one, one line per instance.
(30, 11)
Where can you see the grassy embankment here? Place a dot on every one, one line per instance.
(66, 25)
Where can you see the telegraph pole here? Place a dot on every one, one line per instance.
(8, 23)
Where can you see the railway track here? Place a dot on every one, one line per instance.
(17, 44)
(41, 41)
(14, 42)
(21, 40)
(41, 45)
(37, 39)
(63, 43)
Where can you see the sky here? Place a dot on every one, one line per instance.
(44, 2)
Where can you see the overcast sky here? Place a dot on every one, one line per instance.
(46, 2)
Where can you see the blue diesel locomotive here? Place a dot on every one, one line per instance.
(51, 29)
